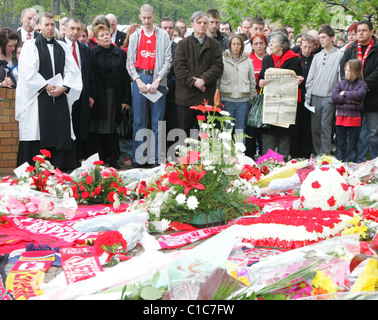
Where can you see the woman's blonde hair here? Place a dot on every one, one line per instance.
(355, 69)
(97, 29)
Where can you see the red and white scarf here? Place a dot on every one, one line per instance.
(359, 51)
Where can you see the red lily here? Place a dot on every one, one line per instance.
(39, 182)
(189, 181)
(206, 107)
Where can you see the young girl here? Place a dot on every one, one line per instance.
(348, 95)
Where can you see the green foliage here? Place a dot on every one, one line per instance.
(302, 14)
(127, 11)
(145, 290)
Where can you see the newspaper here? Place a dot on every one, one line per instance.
(280, 97)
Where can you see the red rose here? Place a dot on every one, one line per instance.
(345, 186)
(36, 158)
(98, 162)
(46, 153)
(114, 184)
(85, 195)
(122, 190)
(201, 118)
(111, 196)
(88, 179)
(30, 169)
(97, 190)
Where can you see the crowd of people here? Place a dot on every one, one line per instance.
(72, 83)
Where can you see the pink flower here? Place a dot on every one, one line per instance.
(204, 135)
(270, 155)
(105, 173)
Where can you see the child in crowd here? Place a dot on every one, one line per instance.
(348, 95)
(15, 67)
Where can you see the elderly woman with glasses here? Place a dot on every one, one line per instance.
(281, 56)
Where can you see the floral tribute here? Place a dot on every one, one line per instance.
(42, 176)
(99, 185)
(325, 188)
(111, 243)
(293, 228)
(211, 176)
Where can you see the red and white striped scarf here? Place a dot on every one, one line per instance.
(359, 51)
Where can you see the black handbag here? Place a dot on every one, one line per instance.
(255, 113)
(125, 125)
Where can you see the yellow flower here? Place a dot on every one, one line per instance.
(347, 231)
(355, 221)
(355, 230)
(361, 230)
(324, 282)
(245, 280)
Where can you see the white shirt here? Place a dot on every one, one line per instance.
(69, 44)
(114, 36)
(24, 34)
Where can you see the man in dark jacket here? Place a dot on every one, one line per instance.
(168, 25)
(81, 107)
(213, 29)
(198, 65)
(118, 37)
(301, 143)
(366, 50)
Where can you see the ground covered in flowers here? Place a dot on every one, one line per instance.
(302, 230)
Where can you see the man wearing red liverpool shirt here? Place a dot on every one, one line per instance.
(148, 63)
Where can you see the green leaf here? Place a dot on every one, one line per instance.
(134, 295)
(155, 278)
(150, 293)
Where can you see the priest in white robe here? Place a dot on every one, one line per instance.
(49, 83)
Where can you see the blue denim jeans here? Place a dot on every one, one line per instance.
(347, 143)
(372, 127)
(363, 142)
(239, 111)
(146, 146)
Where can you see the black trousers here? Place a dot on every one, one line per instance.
(61, 159)
(107, 146)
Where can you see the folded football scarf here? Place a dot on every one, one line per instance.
(79, 263)
(26, 276)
